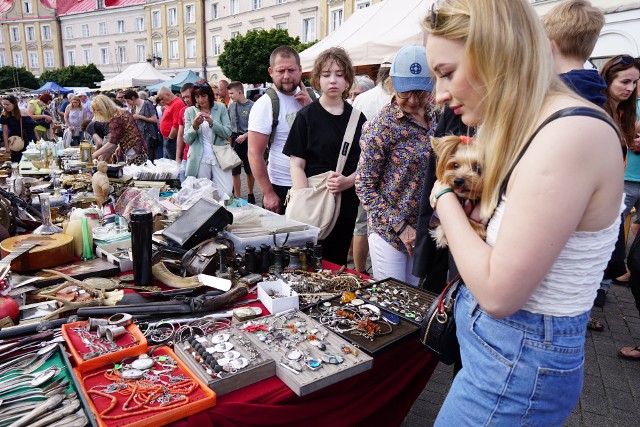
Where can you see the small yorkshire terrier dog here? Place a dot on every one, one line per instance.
(458, 166)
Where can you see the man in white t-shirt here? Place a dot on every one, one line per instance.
(275, 180)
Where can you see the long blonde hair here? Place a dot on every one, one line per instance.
(103, 108)
(508, 56)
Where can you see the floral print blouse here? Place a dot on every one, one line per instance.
(125, 133)
(392, 169)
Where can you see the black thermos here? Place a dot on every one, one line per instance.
(141, 223)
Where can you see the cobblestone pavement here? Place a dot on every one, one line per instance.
(611, 391)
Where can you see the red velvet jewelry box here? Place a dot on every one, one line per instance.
(200, 399)
(78, 349)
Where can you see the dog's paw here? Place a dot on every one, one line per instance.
(437, 234)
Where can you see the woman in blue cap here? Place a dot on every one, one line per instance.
(395, 152)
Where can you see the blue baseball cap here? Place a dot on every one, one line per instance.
(409, 70)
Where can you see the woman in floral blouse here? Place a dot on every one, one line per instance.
(395, 152)
(123, 132)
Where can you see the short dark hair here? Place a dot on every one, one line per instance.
(203, 89)
(236, 85)
(186, 86)
(339, 56)
(284, 51)
(111, 95)
(130, 94)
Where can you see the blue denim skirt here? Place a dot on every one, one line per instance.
(525, 369)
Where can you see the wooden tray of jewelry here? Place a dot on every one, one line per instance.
(225, 360)
(308, 357)
(316, 287)
(148, 390)
(409, 302)
(369, 327)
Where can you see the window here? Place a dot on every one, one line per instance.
(102, 28)
(100, 4)
(308, 30)
(86, 56)
(85, 30)
(46, 32)
(190, 14)
(157, 49)
(31, 34)
(335, 20)
(362, 4)
(140, 24)
(256, 4)
(3, 62)
(15, 34)
(217, 48)
(33, 60)
(215, 11)
(48, 59)
(281, 25)
(120, 26)
(68, 30)
(155, 19)
(104, 56)
(141, 53)
(172, 16)
(17, 59)
(234, 7)
(27, 7)
(191, 48)
(173, 49)
(235, 34)
(281, 1)
(122, 54)
(71, 57)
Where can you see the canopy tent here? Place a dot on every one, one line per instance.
(176, 83)
(52, 87)
(375, 32)
(141, 74)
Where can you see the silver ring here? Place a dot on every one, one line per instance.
(120, 319)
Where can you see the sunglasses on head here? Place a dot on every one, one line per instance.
(625, 59)
(433, 15)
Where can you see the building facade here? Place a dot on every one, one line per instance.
(334, 12)
(29, 35)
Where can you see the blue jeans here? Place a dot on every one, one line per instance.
(526, 369)
(183, 170)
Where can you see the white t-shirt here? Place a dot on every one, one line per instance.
(261, 119)
(207, 137)
(372, 101)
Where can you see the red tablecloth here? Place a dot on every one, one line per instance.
(381, 396)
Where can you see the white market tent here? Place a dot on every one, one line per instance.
(375, 32)
(141, 74)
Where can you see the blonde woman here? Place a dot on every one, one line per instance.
(74, 115)
(123, 132)
(552, 197)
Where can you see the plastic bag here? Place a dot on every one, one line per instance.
(194, 189)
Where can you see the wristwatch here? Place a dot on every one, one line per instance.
(434, 199)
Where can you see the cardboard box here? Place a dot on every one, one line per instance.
(277, 305)
(107, 251)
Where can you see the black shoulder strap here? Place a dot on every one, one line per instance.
(565, 112)
(275, 106)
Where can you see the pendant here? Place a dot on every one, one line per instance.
(334, 359)
(132, 374)
(143, 364)
(223, 347)
(220, 338)
(294, 354)
(231, 355)
(391, 318)
(313, 364)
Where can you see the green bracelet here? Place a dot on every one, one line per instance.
(440, 193)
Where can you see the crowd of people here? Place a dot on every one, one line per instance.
(559, 155)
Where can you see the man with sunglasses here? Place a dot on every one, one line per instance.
(169, 123)
(286, 74)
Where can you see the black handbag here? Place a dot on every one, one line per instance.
(438, 332)
(200, 222)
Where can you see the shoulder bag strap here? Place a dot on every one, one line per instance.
(347, 141)
(275, 107)
(22, 131)
(565, 112)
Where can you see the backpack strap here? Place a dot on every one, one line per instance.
(565, 112)
(275, 107)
